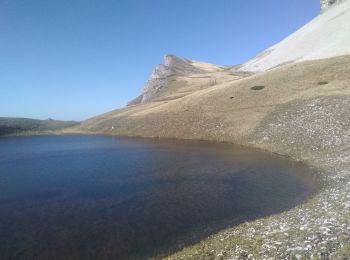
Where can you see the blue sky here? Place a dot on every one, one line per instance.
(73, 59)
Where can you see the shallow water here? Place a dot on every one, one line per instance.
(103, 197)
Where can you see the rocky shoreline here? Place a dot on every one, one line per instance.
(315, 131)
(318, 134)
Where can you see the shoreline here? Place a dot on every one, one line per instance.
(295, 116)
(301, 232)
(213, 247)
(283, 235)
(317, 229)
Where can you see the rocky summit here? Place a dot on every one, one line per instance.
(326, 4)
(173, 67)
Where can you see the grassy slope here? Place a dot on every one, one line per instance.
(230, 111)
(14, 126)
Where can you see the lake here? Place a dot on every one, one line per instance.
(104, 197)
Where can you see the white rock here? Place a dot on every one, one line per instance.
(328, 35)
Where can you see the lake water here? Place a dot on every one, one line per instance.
(103, 197)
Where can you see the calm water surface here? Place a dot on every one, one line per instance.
(101, 197)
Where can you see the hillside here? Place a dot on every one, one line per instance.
(14, 126)
(296, 103)
(300, 110)
(229, 111)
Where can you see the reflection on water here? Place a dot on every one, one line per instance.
(100, 197)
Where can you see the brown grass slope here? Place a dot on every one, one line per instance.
(230, 111)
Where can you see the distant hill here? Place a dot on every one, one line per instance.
(13, 126)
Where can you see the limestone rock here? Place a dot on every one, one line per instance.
(325, 4)
(173, 66)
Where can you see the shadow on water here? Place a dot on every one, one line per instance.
(100, 197)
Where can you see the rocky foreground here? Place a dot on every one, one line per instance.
(315, 130)
(299, 110)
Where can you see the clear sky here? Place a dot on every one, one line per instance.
(73, 59)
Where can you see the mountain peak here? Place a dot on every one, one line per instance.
(173, 66)
(171, 60)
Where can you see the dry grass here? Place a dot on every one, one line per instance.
(212, 114)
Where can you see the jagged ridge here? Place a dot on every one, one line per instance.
(173, 66)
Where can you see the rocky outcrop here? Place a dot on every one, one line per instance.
(161, 75)
(176, 65)
(325, 4)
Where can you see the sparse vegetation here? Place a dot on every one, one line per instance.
(257, 87)
(322, 83)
